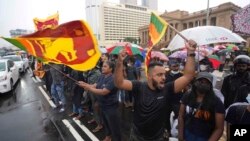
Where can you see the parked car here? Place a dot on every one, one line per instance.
(9, 75)
(20, 63)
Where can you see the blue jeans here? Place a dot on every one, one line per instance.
(57, 93)
(78, 109)
(122, 95)
(188, 136)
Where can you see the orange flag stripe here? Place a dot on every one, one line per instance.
(28, 46)
(153, 32)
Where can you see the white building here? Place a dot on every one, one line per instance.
(132, 2)
(151, 4)
(113, 22)
(119, 21)
(93, 16)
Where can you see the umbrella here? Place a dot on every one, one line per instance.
(219, 47)
(132, 49)
(203, 50)
(239, 37)
(182, 54)
(223, 52)
(204, 35)
(214, 59)
(160, 55)
(103, 50)
(232, 47)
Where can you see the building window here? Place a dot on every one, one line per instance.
(197, 23)
(213, 21)
(190, 25)
(204, 22)
(171, 32)
(176, 26)
(184, 26)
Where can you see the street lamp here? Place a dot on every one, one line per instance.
(207, 23)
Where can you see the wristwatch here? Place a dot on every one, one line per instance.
(191, 54)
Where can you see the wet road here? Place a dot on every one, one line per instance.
(28, 114)
(23, 114)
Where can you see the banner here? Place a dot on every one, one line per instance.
(241, 21)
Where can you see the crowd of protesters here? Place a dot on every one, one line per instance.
(183, 104)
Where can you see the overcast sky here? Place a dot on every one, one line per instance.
(20, 13)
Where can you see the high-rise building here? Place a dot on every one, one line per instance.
(113, 22)
(19, 32)
(119, 21)
(132, 2)
(151, 4)
(93, 16)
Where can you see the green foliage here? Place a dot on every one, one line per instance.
(131, 40)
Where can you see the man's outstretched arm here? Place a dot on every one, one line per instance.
(189, 71)
(120, 82)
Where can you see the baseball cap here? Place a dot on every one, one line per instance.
(173, 62)
(205, 75)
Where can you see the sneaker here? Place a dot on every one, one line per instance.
(60, 103)
(61, 110)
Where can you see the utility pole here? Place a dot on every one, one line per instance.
(207, 21)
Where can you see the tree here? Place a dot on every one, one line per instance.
(130, 39)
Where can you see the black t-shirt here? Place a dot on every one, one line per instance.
(131, 73)
(150, 109)
(175, 97)
(110, 100)
(201, 122)
(238, 114)
(232, 87)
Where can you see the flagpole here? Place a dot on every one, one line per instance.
(63, 74)
(182, 36)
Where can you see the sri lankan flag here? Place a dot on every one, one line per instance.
(157, 29)
(72, 44)
(49, 22)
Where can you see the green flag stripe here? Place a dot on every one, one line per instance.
(157, 23)
(15, 43)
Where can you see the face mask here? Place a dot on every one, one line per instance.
(202, 88)
(174, 72)
(248, 98)
(203, 67)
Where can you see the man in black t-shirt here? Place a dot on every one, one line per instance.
(152, 97)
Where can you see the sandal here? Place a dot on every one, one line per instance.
(97, 129)
(79, 117)
(73, 114)
(91, 121)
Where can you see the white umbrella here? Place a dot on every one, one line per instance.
(204, 35)
(239, 37)
(103, 50)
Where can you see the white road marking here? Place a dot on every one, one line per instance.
(72, 130)
(34, 80)
(38, 79)
(86, 130)
(66, 122)
(51, 103)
